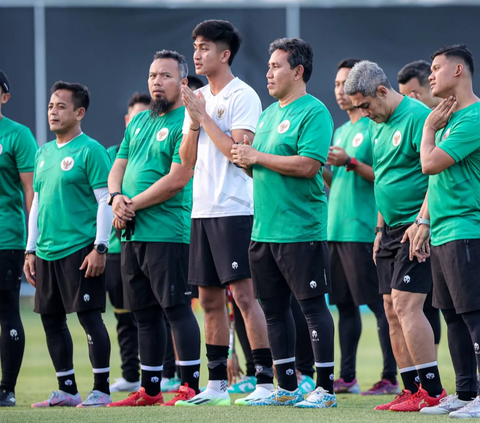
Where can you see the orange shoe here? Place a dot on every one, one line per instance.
(401, 397)
(419, 400)
(184, 394)
(138, 399)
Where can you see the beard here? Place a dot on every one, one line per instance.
(160, 106)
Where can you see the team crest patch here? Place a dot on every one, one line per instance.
(445, 135)
(162, 134)
(221, 112)
(1, 149)
(397, 138)
(283, 127)
(67, 163)
(357, 139)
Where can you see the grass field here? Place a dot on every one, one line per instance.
(37, 379)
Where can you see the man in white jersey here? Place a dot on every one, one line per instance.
(217, 116)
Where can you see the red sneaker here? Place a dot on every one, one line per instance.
(138, 399)
(401, 397)
(419, 400)
(184, 394)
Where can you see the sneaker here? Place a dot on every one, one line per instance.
(259, 393)
(419, 400)
(123, 385)
(184, 394)
(138, 399)
(319, 398)
(96, 399)
(7, 399)
(306, 384)
(279, 397)
(170, 385)
(384, 387)
(246, 385)
(342, 387)
(207, 397)
(401, 397)
(60, 399)
(446, 406)
(469, 411)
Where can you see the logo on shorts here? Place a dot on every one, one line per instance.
(196, 374)
(477, 348)
(14, 335)
(162, 134)
(41, 164)
(446, 134)
(137, 131)
(221, 112)
(406, 279)
(67, 163)
(86, 298)
(155, 379)
(283, 127)
(315, 335)
(357, 140)
(397, 138)
(313, 284)
(430, 376)
(259, 369)
(68, 382)
(289, 372)
(234, 265)
(89, 339)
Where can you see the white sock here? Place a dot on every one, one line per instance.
(218, 385)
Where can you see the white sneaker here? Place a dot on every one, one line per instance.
(445, 406)
(205, 398)
(470, 411)
(259, 393)
(122, 385)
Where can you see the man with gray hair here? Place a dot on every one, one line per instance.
(404, 283)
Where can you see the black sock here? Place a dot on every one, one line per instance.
(127, 335)
(286, 375)
(151, 381)
(391, 378)
(466, 396)
(67, 384)
(408, 378)
(178, 371)
(430, 378)
(217, 362)
(190, 375)
(325, 377)
(101, 382)
(262, 357)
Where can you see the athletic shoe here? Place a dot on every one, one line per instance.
(319, 398)
(170, 385)
(306, 384)
(60, 399)
(246, 385)
(418, 400)
(7, 399)
(95, 399)
(384, 387)
(401, 397)
(207, 397)
(138, 399)
(446, 406)
(184, 394)
(259, 393)
(469, 411)
(342, 387)
(279, 396)
(123, 385)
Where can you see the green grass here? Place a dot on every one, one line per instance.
(37, 379)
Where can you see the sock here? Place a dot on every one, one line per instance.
(190, 373)
(101, 379)
(430, 378)
(408, 375)
(217, 363)
(178, 370)
(262, 357)
(66, 382)
(347, 378)
(325, 376)
(151, 377)
(466, 396)
(391, 378)
(286, 375)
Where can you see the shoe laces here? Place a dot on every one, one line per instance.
(448, 399)
(183, 393)
(400, 395)
(421, 393)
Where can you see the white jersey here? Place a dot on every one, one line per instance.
(219, 187)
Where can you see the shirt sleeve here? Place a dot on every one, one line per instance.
(247, 109)
(176, 141)
(463, 140)
(25, 149)
(35, 186)
(97, 167)
(186, 122)
(367, 153)
(417, 128)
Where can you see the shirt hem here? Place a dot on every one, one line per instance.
(456, 238)
(64, 253)
(196, 216)
(288, 241)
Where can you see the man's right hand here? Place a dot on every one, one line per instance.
(376, 246)
(121, 208)
(29, 269)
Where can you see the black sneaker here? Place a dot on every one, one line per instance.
(7, 398)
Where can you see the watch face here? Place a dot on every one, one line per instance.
(101, 248)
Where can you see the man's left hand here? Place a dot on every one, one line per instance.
(94, 263)
(337, 156)
(244, 154)
(195, 104)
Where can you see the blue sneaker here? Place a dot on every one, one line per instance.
(244, 386)
(280, 397)
(320, 398)
(306, 384)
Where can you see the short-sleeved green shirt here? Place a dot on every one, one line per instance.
(151, 145)
(114, 246)
(289, 209)
(352, 213)
(454, 194)
(17, 155)
(400, 185)
(65, 178)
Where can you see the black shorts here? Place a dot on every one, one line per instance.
(63, 288)
(11, 265)
(354, 276)
(154, 273)
(219, 250)
(113, 279)
(456, 275)
(301, 268)
(394, 268)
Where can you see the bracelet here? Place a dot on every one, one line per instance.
(192, 129)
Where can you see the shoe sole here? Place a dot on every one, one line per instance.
(219, 403)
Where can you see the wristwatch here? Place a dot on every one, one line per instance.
(378, 229)
(420, 221)
(30, 252)
(351, 163)
(100, 248)
(111, 196)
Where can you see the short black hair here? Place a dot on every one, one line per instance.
(80, 93)
(299, 53)
(419, 69)
(194, 83)
(218, 31)
(348, 63)
(459, 51)
(141, 98)
(180, 59)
